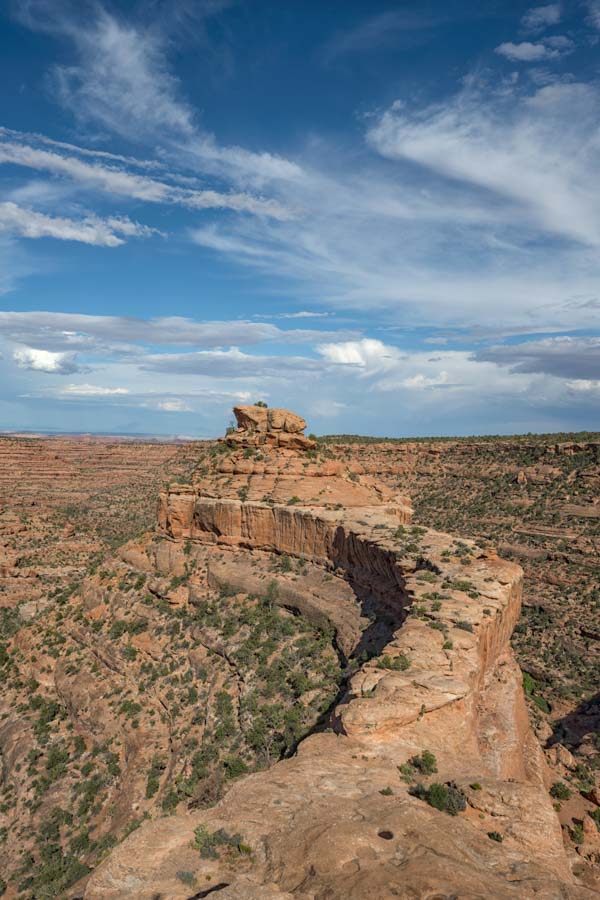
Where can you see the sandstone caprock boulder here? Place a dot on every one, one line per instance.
(260, 418)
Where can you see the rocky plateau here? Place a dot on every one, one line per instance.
(287, 687)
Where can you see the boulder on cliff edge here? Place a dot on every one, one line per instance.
(259, 418)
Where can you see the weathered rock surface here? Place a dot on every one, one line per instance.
(260, 427)
(336, 820)
(257, 418)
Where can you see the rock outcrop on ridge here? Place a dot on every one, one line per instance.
(424, 779)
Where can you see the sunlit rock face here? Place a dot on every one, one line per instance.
(432, 696)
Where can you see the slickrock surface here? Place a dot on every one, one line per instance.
(344, 817)
(538, 500)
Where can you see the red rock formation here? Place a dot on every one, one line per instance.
(337, 820)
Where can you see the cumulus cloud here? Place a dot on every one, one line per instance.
(100, 232)
(388, 367)
(421, 381)
(368, 353)
(46, 361)
(527, 52)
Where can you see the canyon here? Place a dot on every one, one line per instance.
(286, 687)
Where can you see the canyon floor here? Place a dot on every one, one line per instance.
(285, 682)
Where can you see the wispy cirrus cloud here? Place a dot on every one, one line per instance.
(505, 148)
(116, 180)
(110, 232)
(382, 30)
(122, 81)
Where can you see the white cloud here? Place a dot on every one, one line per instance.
(102, 233)
(527, 52)
(123, 83)
(92, 390)
(540, 17)
(173, 405)
(180, 400)
(529, 151)
(304, 314)
(128, 335)
(594, 13)
(231, 363)
(388, 367)
(45, 361)
(368, 353)
(122, 182)
(584, 386)
(420, 381)
(561, 42)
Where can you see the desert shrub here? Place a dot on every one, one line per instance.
(542, 703)
(156, 769)
(426, 763)
(445, 797)
(576, 833)
(212, 843)
(234, 766)
(560, 791)
(398, 663)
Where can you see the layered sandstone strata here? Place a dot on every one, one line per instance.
(337, 820)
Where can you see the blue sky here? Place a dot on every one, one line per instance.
(383, 215)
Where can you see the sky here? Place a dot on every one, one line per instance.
(384, 216)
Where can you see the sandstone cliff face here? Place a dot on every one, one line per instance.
(428, 621)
